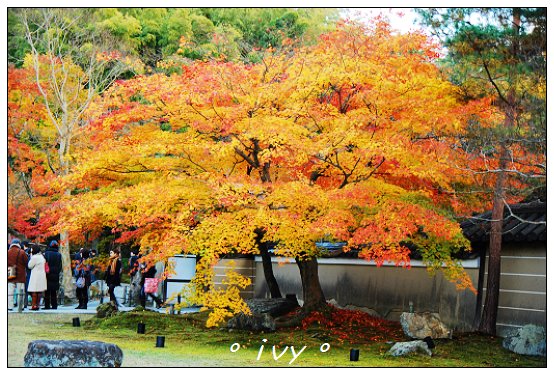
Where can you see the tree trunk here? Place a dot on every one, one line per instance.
(490, 310)
(270, 279)
(268, 273)
(68, 289)
(312, 294)
(68, 285)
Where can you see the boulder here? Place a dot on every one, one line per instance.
(528, 340)
(422, 325)
(135, 289)
(272, 306)
(264, 310)
(254, 322)
(72, 353)
(409, 347)
(95, 289)
(106, 310)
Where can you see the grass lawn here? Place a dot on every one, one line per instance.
(189, 344)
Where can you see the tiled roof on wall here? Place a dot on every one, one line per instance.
(525, 222)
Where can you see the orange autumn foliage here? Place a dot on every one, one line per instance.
(349, 139)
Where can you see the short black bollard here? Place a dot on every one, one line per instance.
(76, 322)
(141, 327)
(160, 340)
(354, 354)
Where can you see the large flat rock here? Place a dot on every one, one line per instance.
(527, 340)
(272, 306)
(72, 353)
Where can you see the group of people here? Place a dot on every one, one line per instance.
(32, 272)
(38, 274)
(113, 276)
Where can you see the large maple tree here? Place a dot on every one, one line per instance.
(347, 140)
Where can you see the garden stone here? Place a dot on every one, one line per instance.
(405, 348)
(272, 306)
(254, 322)
(528, 340)
(135, 289)
(72, 353)
(95, 289)
(106, 310)
(422, 325)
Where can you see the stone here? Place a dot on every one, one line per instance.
(422, 325)
(135, 288)
(106, 310)
(254, 322)
(95, 289)
(528, 340)
(409, 347)
(72, 353)
(272, 306)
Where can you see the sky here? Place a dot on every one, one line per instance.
(401, 19)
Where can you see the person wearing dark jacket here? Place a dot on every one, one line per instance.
(16, 258)
(54, 259)
(149, 272)
(27, 248)
(133, 263)
(113, 273)
(82, 269)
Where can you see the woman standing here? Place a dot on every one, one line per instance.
(147, 273)
(37, 281)
(113, 274)
(82, 277)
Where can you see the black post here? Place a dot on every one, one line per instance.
(141, 328)
(160, 341)
(101, 291)
(76, 322)
(354, 354)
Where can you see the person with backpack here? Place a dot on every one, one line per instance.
(82, 279)
(17, 271)
(37, 281)
(54, 259)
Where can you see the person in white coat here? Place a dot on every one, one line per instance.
(37, 281)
